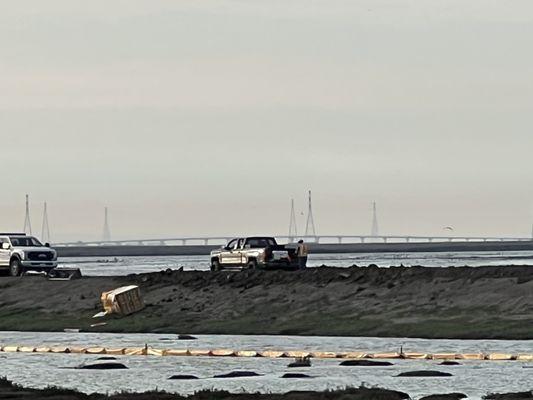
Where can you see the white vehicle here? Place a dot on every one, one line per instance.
(20, 253)
(254, 252)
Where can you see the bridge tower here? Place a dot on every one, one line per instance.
(293, 230)
(27, 221)
(45, 232)
(310, 225)
(375, 228)
(106, 236)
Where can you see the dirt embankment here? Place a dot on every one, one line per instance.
(10, 391)
(485, 302)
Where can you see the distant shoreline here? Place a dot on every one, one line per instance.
(323, 248)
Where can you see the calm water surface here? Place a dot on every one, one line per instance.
(128, 265)
(474, 378)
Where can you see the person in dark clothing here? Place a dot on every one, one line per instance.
(302, 252)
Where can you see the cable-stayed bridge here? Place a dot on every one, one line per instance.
(347, 239)
(310, 235)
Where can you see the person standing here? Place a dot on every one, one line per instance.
(302, 252)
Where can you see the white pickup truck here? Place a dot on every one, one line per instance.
(254, 252)
(20, 253)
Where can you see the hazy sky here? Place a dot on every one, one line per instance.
(206, 117)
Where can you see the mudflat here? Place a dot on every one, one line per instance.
(464, 302)
(8, 390)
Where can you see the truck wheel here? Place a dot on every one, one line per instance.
(215, 265)
(252, 264)
(15, 269)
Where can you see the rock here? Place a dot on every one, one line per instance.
(510, 396)
(238, 374)
(365, 363)
(108, 365)
(183, 377)
(366, 393)
(424, 374)
(296, 376)
(106, 358)
(298, 364)
(186, 337)
(450, 363)
(447, 396)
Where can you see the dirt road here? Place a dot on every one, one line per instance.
(485, 302)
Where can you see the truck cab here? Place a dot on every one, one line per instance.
(20, 252)
(252, 253)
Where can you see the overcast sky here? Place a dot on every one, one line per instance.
(207, 117)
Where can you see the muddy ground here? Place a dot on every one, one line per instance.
(10, 391)
(483, 302)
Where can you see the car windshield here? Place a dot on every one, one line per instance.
(24, 241)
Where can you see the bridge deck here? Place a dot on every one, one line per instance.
(347, 239)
